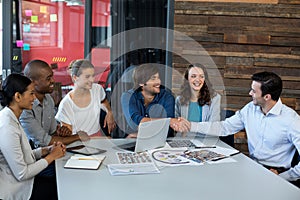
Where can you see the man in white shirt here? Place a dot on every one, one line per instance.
(273, 129)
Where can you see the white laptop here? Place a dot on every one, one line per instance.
(151, 135)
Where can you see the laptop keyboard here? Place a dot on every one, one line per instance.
(180, 143)
(133, 158)
(128, 146)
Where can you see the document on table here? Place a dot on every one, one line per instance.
(225, 151)
(171, 157)
(133, 169)
(194, 156)
(84, 162)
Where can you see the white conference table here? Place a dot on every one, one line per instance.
(244, 179)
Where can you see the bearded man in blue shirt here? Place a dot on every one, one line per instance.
(148, 100)
(273, 129)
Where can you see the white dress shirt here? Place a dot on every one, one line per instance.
(272, 138)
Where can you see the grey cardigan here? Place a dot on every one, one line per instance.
(18, 164)
(210, 112)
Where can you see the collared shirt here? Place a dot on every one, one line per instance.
(18, 164)
(272, 138)
(39, 123)
(162, 106)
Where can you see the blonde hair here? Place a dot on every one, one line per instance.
(76, 66)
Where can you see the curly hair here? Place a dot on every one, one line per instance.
(32, 68)
(205, 93)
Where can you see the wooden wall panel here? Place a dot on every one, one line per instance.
(244, 1)
(242, 38)
(280, 10)
(246, 39)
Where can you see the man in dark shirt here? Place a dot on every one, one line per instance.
(148, 100)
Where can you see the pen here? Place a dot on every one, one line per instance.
(116, 170)
(233, 154)
(87, 159)
(204, 147)
(220, 158)
(225, 156)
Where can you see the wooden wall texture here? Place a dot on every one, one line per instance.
(242, 38)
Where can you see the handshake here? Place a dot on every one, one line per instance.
(180, 124)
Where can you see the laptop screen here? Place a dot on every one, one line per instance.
(152, 134)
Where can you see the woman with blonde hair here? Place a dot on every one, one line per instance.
(80, 109)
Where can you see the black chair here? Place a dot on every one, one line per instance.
(296, 159)
(230, 138)
(116, 133)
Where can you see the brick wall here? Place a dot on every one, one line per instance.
(242, 38)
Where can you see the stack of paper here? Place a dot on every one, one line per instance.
(84, 162)
(133, 169)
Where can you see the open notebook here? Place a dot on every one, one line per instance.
(84, 162)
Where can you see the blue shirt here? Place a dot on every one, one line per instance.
(195, 112)
(272, 138)
(132, 101)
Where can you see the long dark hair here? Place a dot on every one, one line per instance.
(205, 93)
(11, 85)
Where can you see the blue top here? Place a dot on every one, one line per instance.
(210, 113)
(195, 112)
(132, 101)
(272, 138)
